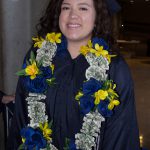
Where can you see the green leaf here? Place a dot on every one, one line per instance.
(48, 147)
(21, 72)
(39, 63)
(50, 81)
(67, 141)
(27, 62)
(21, 147)
(107, 84)
(50, 124)
(32, 57)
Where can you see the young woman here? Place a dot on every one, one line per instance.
(77, 82)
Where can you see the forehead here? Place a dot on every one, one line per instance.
(78, 2)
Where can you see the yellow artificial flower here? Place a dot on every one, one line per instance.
(52, 67)
(108, 57)
(54, 37)
(100, 95)
(90, 44)
(86, 49)
(46, 131)
(111, 91)
(112, 104)
(80, 94)
(112, 95)
(38, 42)
(100, 51)
(32, 70)
(23, 140)
(114, 86)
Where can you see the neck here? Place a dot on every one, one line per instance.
(74, 47)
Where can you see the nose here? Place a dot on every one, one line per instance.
(73, 14)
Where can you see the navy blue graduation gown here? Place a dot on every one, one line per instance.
(120, 132)
(1, 104)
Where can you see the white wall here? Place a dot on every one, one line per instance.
(18, 19)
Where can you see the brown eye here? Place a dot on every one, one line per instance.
(65, 8)
(83, 9)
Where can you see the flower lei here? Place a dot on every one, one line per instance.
(97, 98)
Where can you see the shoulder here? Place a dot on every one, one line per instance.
(1, 95)
(120, 74)
(27, 56)
(22, 79)
(119, 63)
(120, 71)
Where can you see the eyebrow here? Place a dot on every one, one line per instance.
(64, 3)
(85, 4)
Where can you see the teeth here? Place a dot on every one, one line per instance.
(73, 25)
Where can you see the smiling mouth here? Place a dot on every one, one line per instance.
(73, 26)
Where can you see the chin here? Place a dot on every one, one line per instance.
(73, 37)
(79, 38)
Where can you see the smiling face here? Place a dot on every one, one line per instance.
(77, 19)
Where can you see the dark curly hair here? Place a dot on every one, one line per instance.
(103, 26)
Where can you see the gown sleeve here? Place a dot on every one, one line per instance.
(19, 119)
(121, 130)
(20, 116)
(1, 96)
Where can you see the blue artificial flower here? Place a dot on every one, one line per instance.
(24, 65)
(46, 72)
(37, 85)
(86, 104)
(62, 48)
(101, 42)
(72, 145)
(33, 138)
(91, 86)
(103, 109)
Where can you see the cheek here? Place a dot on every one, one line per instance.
(92, 20)
(89, 21)
(90, 16)
(93, 17)
(62, 21)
